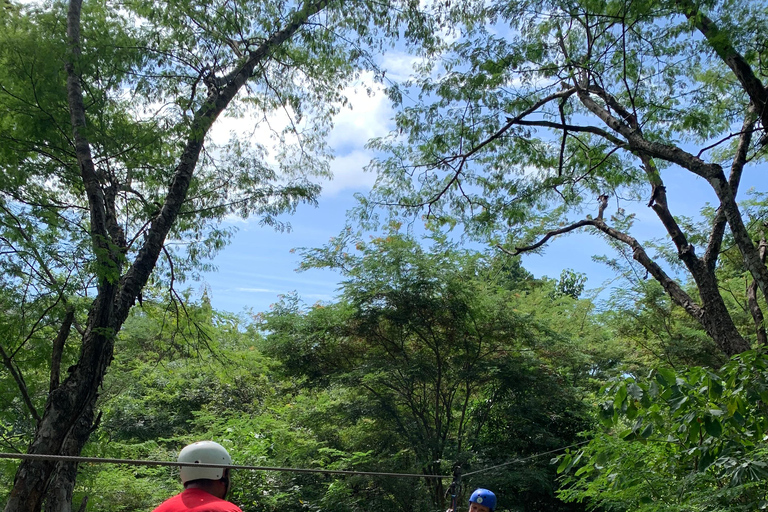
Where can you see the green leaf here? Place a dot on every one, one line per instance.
(631, 411)
(677, 403)
(665, 376)
(715, 389)
(712, 426)
(694, 431)
(706, 459)
(621, 395)
(584, 469)
(606, 413)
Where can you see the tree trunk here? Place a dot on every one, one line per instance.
(62, 484)
(754, 307)
(718, 323)
(65, 425)
(435, 485)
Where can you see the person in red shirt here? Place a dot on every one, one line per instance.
(205, 489)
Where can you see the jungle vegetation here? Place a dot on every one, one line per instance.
(522, 122)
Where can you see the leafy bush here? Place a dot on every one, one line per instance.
(687, 440)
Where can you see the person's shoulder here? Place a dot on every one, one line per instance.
(219, 505)
(226, 506)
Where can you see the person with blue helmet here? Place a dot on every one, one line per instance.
(481, 500)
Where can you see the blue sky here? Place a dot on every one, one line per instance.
(258, 266)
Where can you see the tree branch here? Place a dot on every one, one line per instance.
(678, 295)
(563, 139)
(58, 347)
(636, 142)
(99, 231)
(575, 128)
(547, 237)
(713, 173)
(19, 378)
(463, 157)
(32, 247)
(721, 43)
(754, 307)
(511, 121)
(138, 274)
(660, 206)
(712, 251)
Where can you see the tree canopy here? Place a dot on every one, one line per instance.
(523, 121)
(111, 181)
(451, 354)
(536, 119)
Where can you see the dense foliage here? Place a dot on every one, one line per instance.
(689, 440)
(451, 354)
(453, 362)
(538, 119)
(519, 119)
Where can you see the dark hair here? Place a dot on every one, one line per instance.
(201, 481)
(205, 481)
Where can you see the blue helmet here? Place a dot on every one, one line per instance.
(483, 497)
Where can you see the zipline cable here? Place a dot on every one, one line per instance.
(69, 458)
(523, 459)
(133, 462)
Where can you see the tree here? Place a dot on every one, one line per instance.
(110, 180)
(530, 410)
(538, 111)
(441, 351)
(661, 333)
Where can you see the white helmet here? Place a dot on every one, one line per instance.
(203, 452)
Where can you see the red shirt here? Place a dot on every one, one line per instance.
(196, 500)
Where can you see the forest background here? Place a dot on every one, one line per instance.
(520, 122)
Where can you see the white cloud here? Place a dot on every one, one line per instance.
(366, 117)
(256, 290)
(251, 126)
(368, 114)
(398, 65)
(348, 173)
